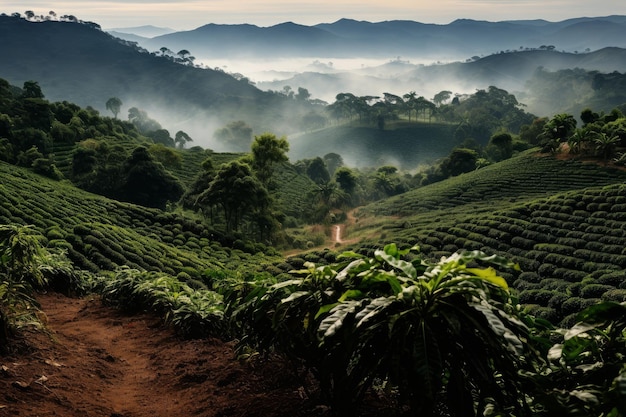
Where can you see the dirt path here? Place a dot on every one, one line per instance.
(104, 363)
(127, 374)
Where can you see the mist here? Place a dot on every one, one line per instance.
(325, 77)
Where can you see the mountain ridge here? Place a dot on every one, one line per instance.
(349, 37)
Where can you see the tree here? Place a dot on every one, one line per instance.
(31, 89)
(165, 155)
(441, 97)
(588, 116)
(605, 144)
(146, 182)
(237, 190)
(161, 136)
(556, 131)
(459, 161)
(181, 138)
(114, 104)
(500, 146)
(316, 170)
(303, 94)
(144, 124)
(235, 135)
(346, 179)
(268, 150)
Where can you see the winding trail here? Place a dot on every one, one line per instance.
(337, 233)
(99, 362)
(116, 357)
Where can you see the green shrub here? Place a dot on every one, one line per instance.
(614, 278)
(336, 321)
(595, 290)
(617, 295)
(538, 296)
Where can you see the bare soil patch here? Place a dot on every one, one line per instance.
(98, 361)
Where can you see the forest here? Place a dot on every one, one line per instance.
(487, 281)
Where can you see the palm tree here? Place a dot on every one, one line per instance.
(605, 144)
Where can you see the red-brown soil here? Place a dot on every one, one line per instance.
(97, 361)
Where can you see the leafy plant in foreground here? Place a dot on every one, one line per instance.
(194, 313)
(441, 333)
(20, 252)
(587, 376)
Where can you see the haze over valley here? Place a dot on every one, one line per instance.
(249, 71)
(369, 216)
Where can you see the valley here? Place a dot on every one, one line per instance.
(439, 240)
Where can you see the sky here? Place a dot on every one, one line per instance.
(187, 15)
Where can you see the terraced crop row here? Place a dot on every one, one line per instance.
(101, 234)
(521, 178)
(569, 261)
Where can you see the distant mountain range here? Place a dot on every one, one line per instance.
(350, 38)
(81, 64)
(462, 56)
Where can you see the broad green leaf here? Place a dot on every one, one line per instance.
(337, 317)
(351, 295)
(325, 309)
(286, 283)
(406, 267)
(585, 396)
(492, 259)
(489, 275)
(603, 312)
(555, 352)
(514, 344)
(349, 254)
(372, 309)
(294, 296)
(578, 329)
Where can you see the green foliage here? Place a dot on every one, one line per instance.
(193, 313)
(426, 328)
(267, 151)
(237, 136)
(237, 191)
(146, 182)
(586, 374)
(20, 254)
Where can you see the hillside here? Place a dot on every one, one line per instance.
(562, 221)
(514, 71)
(102, 234)
(81, 64)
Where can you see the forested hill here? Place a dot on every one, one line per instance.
(81, 64)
